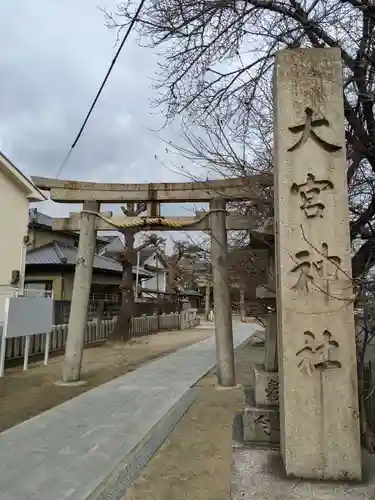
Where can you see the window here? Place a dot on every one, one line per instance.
(39, 285)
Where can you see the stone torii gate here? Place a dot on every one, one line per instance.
(217, 221)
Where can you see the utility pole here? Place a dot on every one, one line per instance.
(222, 301)
(81, 295)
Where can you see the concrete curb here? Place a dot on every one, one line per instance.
(128, 470)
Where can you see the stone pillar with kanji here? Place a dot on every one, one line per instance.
(319, 418)
(265, 375)
(260, 418)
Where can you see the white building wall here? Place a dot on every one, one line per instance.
(14, 217)
(14, 214)
(154, 283)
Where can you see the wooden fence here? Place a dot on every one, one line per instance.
(109, 308)
(96, 331)
(188, 319)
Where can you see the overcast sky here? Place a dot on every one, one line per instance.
(53, 57)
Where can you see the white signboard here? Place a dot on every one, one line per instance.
(26, 316)
(5, 293)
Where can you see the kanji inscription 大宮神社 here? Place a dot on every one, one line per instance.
(314, 296)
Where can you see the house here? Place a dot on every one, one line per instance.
(112, 247)
(51, 259)
(190, 275)
(51, 267)
(152, 270)
(16, 193)
(146, 277)
(154, 261)
(40, 232)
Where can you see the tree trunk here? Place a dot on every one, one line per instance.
(121, 330)
(367, 434)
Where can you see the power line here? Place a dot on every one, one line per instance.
(64, 162)
(128, 31)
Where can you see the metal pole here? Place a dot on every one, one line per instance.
(222, 302)
(242, 304)
(26, 353)
(2, 352)
(23, 263)
(157, 287)
(137, 275)
(46, 347)
(207, 300)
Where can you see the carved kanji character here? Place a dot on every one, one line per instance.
(307, 353)
(265, 423)
(325, 269)
(315, 357)
(305, 277)
(307, 130)
(310, 191)
(272, 390)
(324, 352)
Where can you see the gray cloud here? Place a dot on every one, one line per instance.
(53, 57)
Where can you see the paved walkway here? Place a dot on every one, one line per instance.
(68, 451)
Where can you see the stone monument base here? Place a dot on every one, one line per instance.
(257, 426)
(261, 425)
(258, 474)
(266, 386)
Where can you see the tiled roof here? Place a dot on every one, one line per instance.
(113, 246)
(36, 217)
(57, 253)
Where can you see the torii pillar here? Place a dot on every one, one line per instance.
(81, 295)
(222, 300)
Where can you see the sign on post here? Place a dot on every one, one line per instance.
(24, 317)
